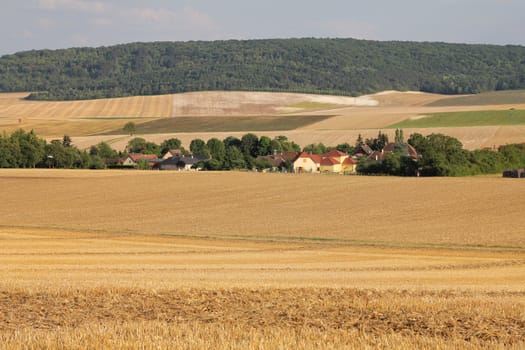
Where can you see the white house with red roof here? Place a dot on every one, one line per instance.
(307, 163)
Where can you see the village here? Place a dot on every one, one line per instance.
(331, 162)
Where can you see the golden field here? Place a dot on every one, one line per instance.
(132, 259)
(89, 122)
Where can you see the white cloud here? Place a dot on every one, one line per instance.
(74, 5)
(186, 18)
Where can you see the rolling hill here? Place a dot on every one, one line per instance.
(328, 66)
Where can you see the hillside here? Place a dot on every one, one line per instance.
(336, 66)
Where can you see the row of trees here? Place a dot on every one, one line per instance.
(335, 66)
(442, 155)
(26, 150)
(439, 155)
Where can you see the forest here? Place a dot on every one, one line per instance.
(327, 66)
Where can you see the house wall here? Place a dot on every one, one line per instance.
(128, 161)
(305, 165)
(336, 168)
(348, 168)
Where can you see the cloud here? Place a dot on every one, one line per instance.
(74, 5)
(186, 18)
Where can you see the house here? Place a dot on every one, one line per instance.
(172, 153)
(133, 159)
(379, 156)
(363, 150)
(280, 160)
(330, 165)
(187, 163)
(349, 165)
(334, 161)
(307, 163)
(337, 155)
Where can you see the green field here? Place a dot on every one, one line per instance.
(483, 99)
(472, 118)
(224, 124)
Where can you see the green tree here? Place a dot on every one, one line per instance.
(129, 128)
(216, 149)
(249, 144)
(198, 147)
(172, 143)
(264, 147)
(234, 158)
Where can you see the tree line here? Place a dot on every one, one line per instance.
(334, 66)
(438, 154)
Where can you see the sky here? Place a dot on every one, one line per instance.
(52, 24)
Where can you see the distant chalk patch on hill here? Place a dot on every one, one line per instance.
(239, 103)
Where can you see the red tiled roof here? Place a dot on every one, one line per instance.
(335, 153)
(349, 161)
(289, 155)
(139, 156)
(315, 157)
(329, 161)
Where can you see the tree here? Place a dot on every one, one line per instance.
(140, 145)
(129, 128)
(276, 146)
(169, 144)
(216, 149)
(66, 141)
(249, 144)
(359, 141)
(345, 147)
(264, 147)
(234, 158)
(28, 148)
(104, 150)
(198, 147)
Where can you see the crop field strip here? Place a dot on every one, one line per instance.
(36, 258)
(223, 124)
(484, 99)
(463, 211)
(464, 119)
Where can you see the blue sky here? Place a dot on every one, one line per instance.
(38, 24)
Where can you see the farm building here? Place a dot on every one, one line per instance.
(379, 156)
(334, 161)
(514, 173)
(172, 153)
(180, 163)
(134, 158)
(307, 163)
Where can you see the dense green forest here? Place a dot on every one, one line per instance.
(336, 66)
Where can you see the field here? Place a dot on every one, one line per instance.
(459, 119)
(490, 98)
(221, 114)
(224, 124)
(248, 260)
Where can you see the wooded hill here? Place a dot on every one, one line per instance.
(335, 66)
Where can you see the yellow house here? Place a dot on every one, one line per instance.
(349, 165)
(336, 155)
(330, 165)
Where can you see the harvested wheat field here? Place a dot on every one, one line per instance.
(340, 119)
(122, 259)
